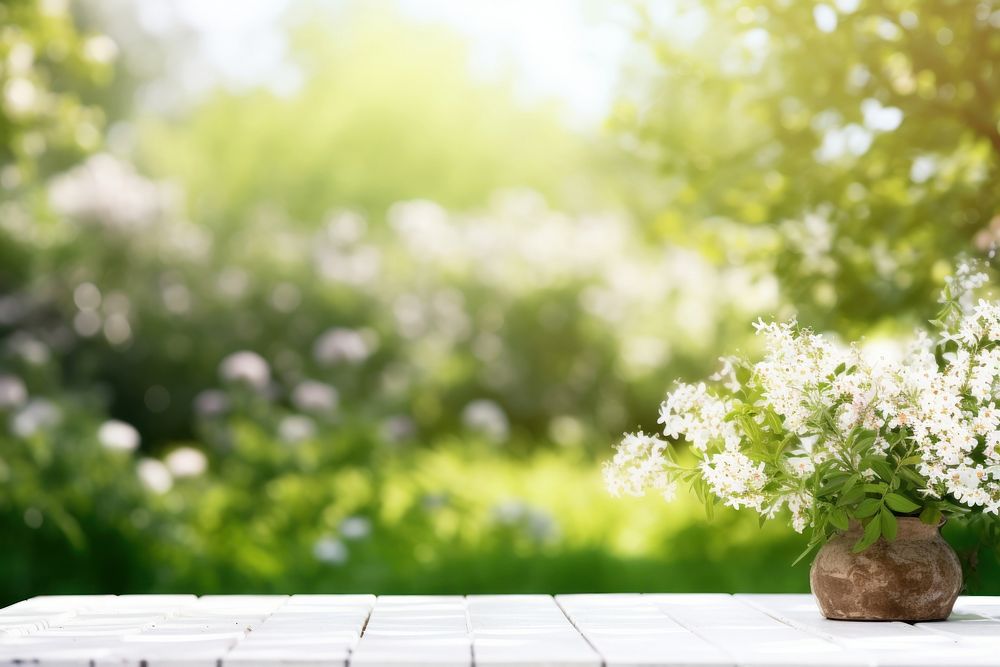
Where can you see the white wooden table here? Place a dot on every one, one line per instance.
(443, 631)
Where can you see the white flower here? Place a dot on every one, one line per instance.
(154, 475)
(246, 367)
(313, 396)
(186, 462)
(397, 428)
(639, 464)
(488, 418)
(799, 505)
(109, 192)
(735, 479)
(13, 393)
(211, 403)
(934, 407)
(330, 550)
(296, 428)
(355, 528)
(36, 415)
(800, 466)
(344, 345)
(692, 412)
(119, 436)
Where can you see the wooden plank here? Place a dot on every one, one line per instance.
(305, 631)
(525, 630)
(415, 631)
(624, 630)
(885, 644)
(628, 631)
(750, 636)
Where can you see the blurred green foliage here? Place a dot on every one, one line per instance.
(865, 134)
(386, 111)
(376, 332)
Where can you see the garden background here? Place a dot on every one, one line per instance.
(356, 296)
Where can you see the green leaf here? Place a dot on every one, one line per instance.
(812, 545)
(851, 497)
(911, 460)
(889, 524)
(931, 516)
(774, 421)
(912, 476)
(863, 441)
(751, 429)
(838, 518)
(900, 503)
(883, 469)
(832, 485)
(851, 481)
(868, 507)
(872, 531)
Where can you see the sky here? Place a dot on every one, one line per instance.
(566, 50)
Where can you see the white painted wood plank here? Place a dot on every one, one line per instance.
(305, 631)
(750, 636)
(574, 630)
(525, 631)
(628, 631)
(979, 605)
(415, 631)
(886, 644)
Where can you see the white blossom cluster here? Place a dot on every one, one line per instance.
(639, 464)
(933, 411)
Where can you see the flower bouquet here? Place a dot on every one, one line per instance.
(871, 455)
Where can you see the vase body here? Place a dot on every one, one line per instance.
(917, 577)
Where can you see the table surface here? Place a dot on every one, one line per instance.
(444, 631)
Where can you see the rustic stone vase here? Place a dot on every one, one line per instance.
(914, 578)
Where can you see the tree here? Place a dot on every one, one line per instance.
(860, 138)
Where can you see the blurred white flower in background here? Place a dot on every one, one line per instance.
(118, 435)
(355, 528)
(87, 296)
(154, 475)
(100, 49)
(358, 266)
(488, 418)
(13, 393)
(87, 323)
(345, 227)
(296, 428)
(186, 462)
(397, 428)
(538, 524)
(285, 297)
(246, 367)
(38, 414)
(176, 298)
(347, 345)
(117, 329)
(567, 431)
(109, 192)
(211, 403)
(425, 227)
(30, 349)
(232, 283)
(330, 550)
(20, 97)
(314, 396)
